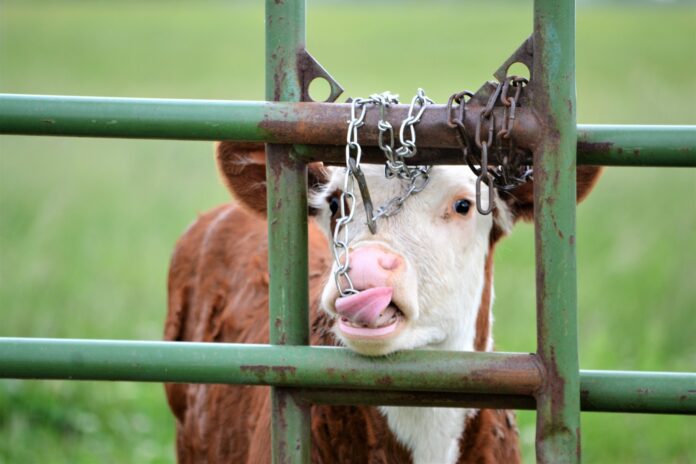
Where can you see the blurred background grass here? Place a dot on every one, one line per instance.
(87, 225)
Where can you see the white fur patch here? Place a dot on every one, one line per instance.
(430, 434)
(439, 291)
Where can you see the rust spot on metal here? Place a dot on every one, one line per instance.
(284, 371)
(590, 148)
(282, 336)
(558, 230)
(279, 78)
(572, 239)
(386, 381)
(279, 406)
(325, 124)
(261, 371)
(555, 385)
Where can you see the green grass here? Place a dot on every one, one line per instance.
(87, 226)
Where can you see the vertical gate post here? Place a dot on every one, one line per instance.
(558, 401)
(287, 229)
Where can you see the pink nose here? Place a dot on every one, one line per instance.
(373, 267)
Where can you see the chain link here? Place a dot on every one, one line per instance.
(512, 170)
(395, 166)
(358, 109)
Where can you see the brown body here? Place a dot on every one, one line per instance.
(218, 292)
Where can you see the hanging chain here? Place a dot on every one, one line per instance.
(395, 166)
(358, 110)
(509, 173)
(512, 170)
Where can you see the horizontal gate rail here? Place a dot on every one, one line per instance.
(321, 124)
(637, 145)
(442, 378)
(268, 365)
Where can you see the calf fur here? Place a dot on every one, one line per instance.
(433, 263)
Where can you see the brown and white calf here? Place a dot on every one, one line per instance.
(427, 283)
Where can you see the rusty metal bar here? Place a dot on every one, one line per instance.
(553, 96)
(339, 376)
(643, 392)
(624, 145)
(322, 125)
(274, 122)
(325, 367)
(286, 186)
(345, 397)
(600, 391)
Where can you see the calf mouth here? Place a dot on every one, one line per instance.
(389, 322)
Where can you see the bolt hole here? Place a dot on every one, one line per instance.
(518, 69)
(319, 89)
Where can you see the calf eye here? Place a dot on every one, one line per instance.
(333, 205)
(462, 206)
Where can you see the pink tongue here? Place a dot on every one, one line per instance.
(366, 306)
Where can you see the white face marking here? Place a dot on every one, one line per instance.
(439, 290)
(444, 254)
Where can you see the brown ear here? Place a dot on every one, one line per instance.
(521, 199)
(242, 166)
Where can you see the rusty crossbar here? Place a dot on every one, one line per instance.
(321, 126)
(339, 376)
(549, 380)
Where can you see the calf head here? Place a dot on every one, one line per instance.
(421, 276)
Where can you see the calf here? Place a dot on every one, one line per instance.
(425, 281)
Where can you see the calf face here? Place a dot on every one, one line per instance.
(422, 275)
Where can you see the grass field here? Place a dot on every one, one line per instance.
(87, 225)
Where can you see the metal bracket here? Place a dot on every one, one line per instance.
(310, 69)
(524, 54)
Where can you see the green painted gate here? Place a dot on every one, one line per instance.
(549, 380)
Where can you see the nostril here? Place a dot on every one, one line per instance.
(388, 262)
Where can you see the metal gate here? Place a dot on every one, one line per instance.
(549, 380)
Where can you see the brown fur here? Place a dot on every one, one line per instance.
(219, 268)
(218, 292)
(483, 318)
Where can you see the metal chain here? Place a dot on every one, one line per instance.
(512, 170)
(408, 145)
(358, 110)
(395, 166)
